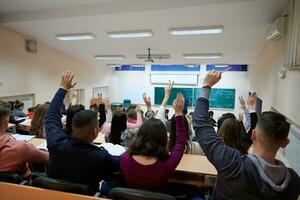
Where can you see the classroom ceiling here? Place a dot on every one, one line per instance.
(245, 25)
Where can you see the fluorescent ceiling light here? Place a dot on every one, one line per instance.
(75, 36)
(153, 56)
(130, 34)
(203, 56)
(110, 57)
(201, 30)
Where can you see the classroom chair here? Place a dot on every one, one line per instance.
(136, 194)
(126, 103)
(12, 178)
(62, 185)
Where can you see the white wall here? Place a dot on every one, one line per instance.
(282, 94)
(39, 73)
(141, 79)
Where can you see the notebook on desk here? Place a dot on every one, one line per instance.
(20, 137)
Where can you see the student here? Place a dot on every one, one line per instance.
(131, 114)
(74, 157)
(15, 156)
(211, 118)
(147, 163)
(191, 146)
(18, 110)
(253, 176)
(38, 121)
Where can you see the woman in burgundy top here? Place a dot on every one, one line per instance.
(148, 163)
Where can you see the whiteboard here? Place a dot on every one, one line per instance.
(135, 93)
(179, 79)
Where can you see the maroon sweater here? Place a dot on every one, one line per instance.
(154, 176)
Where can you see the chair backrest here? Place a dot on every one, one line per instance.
(126, 103)
(62, 185)
(136, 194)
(11, 177)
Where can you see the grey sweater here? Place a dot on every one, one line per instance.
(241, 177)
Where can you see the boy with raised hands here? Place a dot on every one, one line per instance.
(257, 175)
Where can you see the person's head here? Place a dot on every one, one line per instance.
(118, 125)
(71, 111)
(232, 132)
(271, 131)
(94, 108)
(224, 117)
(85, 125)
(19, 105)
(38, 120)
(151, 140)
(131, 112)
(172, 137)
(4, 118)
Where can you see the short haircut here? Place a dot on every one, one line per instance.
(83, 118)
(132, 113)
(274, 126)
(4, 112)
(151, 140)
(232, 133)
(18, 104)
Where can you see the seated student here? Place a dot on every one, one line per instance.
(38, 121)
(211, 118)
(18, 109)
(253, 176)
(119, 133)
(147, 163)
(131, 114)
(74, 157)
(107, 126)
(15, 156)
(191, 146)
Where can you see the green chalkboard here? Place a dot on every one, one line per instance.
(219, 98)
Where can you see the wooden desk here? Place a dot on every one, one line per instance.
(196, 164)
(13, 127)
(37, 141)
(20, 192)
(25, 126)
(100, 139)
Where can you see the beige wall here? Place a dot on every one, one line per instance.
(282, 94)
(39, 73)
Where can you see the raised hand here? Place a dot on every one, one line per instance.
(212, 78)
(241, 117)
(178, 104)
(252, 100)
(169, 88)
(242, 102)
(147, 100)
(107, 103)
(67, 80)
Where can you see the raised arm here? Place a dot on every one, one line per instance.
(223, 157)
(161, 111)
(253, 117)
(181, 136)
(246, 112)
(53, 125)
(147, 100)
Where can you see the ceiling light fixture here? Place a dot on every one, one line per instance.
(203, 56)
(110, 57)
(130, 34)
(75, 36)
(201, 30)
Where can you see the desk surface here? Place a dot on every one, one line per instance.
(14, 191)
(11, 125)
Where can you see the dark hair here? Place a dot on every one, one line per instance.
(4, 112)
(83, 118)
(151, 140)
(131, 113)
(211, 114)
(224, 117)
(38, 120)
(172, 136)
(18, 104)
(232, 133)
(274, 126)
(71, 111)
(118, 125)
